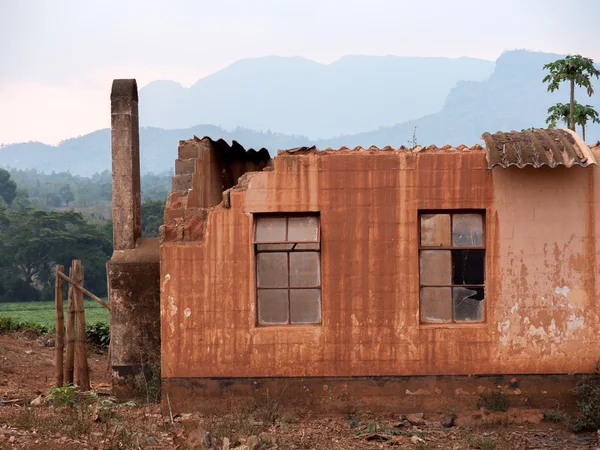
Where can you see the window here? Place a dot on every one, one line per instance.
(452, 266)
(288, 269)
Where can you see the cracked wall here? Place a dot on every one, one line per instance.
(541, 260)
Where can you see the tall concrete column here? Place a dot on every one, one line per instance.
(126, 197)
(133, 272)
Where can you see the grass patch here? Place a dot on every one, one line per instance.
(43, 312)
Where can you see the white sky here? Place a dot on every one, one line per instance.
(58, 57)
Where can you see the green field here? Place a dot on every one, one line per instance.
(43, 312)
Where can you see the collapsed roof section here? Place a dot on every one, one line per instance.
(204, 171)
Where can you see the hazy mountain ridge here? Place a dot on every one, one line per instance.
(295, 95)
(512, 98)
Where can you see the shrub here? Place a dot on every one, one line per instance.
(555, 415)
(494, 400)
(98, 334)
(587, 393)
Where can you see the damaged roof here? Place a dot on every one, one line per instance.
(537, 148)
(236, 151)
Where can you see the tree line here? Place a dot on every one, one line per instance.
(35, 234)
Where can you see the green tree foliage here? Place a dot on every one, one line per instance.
(32, 242)
(582, 115)
(153, 212)
(8, 188)
(577, 71)
(66, 194)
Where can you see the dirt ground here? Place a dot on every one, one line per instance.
(27, 374)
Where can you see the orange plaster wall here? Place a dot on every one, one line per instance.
(540, 236)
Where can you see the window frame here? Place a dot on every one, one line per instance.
(282, 215)
(451, 212)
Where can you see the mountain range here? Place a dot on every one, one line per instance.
(358, 100)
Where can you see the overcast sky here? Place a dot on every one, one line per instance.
(58, 57)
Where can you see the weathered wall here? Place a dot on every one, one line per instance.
(541, 260)
(134, 298)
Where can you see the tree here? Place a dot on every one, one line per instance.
(8, 188)
(66, 194)
(576, 70)
(153, 212)
(33, 241)
(582, 114)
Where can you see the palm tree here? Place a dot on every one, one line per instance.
(582, 114)
(558, 113)
(575, 69)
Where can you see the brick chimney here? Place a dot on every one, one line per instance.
(126, 197)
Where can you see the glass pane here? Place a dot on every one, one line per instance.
(305, 270)
(271, 270)
(435, 230)
(270, 229)
(303, 229)
(272, 306)
(436, 304)
(468, 266)
(315, 246)
(305, 305)
(271, 247)
(467, 230)
(436, 267)
(468, 304)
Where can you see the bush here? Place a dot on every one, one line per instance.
(98, 334)
(495, 400)
(555, 415)
(587, 392)
(8, 324)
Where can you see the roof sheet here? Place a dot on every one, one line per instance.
(537, 148)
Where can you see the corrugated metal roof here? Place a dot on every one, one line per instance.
(537, 148)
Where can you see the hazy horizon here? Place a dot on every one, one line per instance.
(59, 58)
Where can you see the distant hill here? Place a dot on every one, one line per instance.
(293, 95)
(513, 97)
(89, 154)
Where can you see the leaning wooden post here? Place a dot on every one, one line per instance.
(82, 375)
(70, 333)
(60, 326)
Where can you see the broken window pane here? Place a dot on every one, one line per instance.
(302, 229)
(468, 266)
(270, 229)
(305, 269)
(272, 270)
(305, 305)
(435, 230)
(436, 304)
(468, 303)
(435, 267)
(271, 247)
(272, 306)
(467, 230)
(308, 246)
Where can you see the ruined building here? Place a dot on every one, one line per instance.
(359, 277)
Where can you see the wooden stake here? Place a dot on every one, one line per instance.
(60, 326)
(70, 335)
(82, 375)
(84, 290)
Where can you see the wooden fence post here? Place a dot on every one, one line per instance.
(70, 332)
(60, 326)
(82, 376)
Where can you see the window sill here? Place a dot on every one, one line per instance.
(453, 326)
